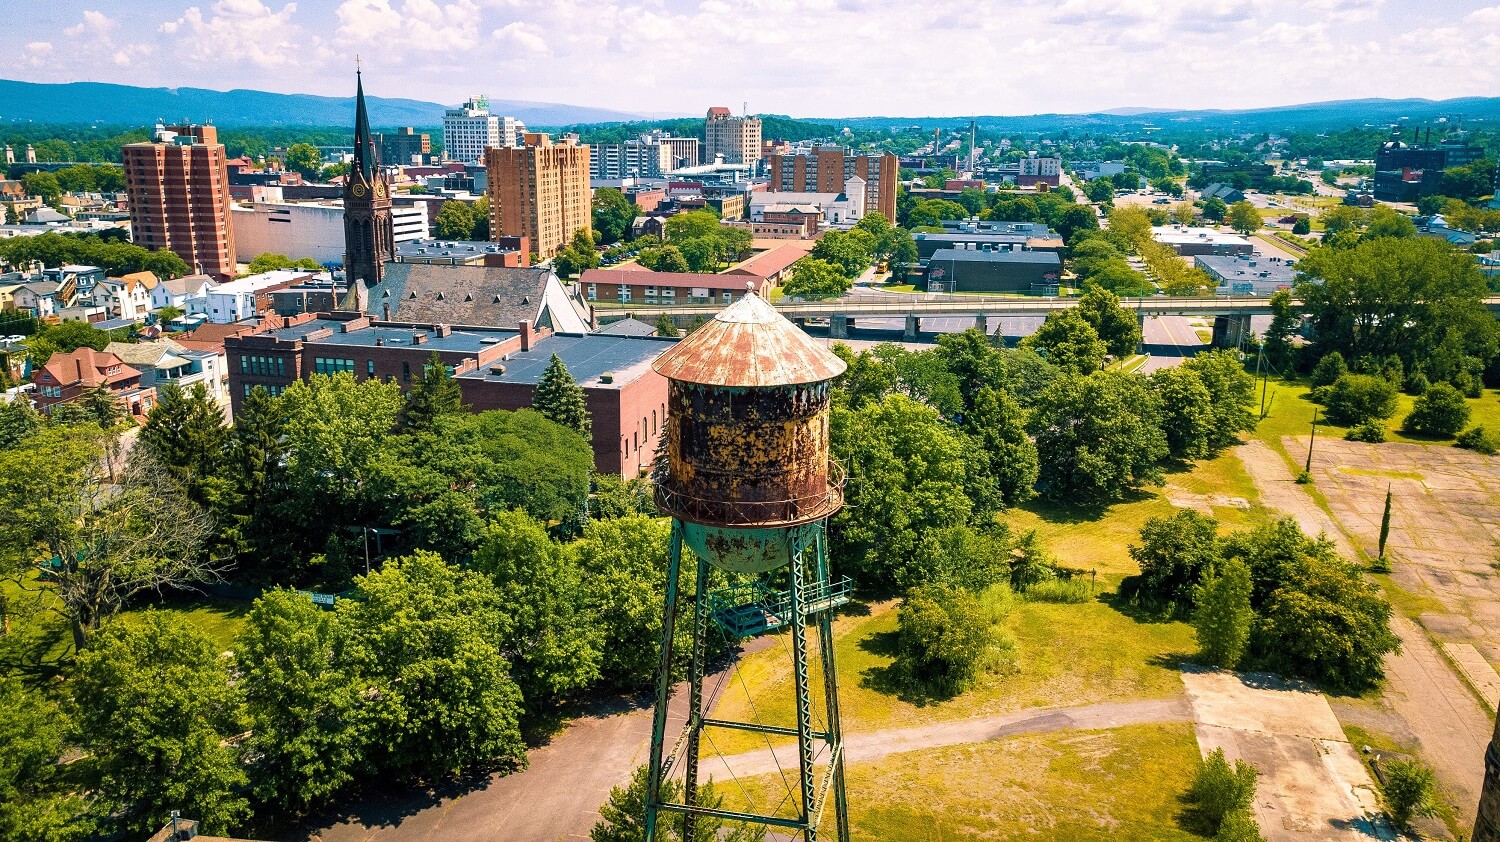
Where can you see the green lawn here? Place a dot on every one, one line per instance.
(1292, 413)
(1119, 784)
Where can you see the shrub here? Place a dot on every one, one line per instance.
(1442, 411)
(1415, 384)
(1371, 432)
(1071, 591)
(1218, 790)
(1356, 398)
(946, 637)
(1479, 440)
(1239, 826)
(1408, 791)
(1223, 617)
(1329, 369)
(1173, 553)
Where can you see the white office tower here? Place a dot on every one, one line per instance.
(470, 128)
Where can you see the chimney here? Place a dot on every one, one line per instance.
(418, 337)
(385, 312)
(78, 363)
(379, 342)
(526, 335)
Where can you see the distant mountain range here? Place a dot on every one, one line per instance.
(1308, 116)
(124, 105)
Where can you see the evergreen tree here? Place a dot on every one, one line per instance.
(17, 421)
(1279, 350)
(666, 327)
(1224, 615)
(436, 393)
(185, 433)
(254, 466)
(560, 398)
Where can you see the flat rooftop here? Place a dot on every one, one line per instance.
(1046, 258)
(971, 237)
(1176, 234)
(462, 340)
(587, 356)
(1247, 268)
(449, 248)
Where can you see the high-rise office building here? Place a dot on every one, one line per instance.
(369, 230)
(540, 190)
(470, 129)
(826, 169)
(403, 146)
(178, 188)
(635, 158)
(736, 138)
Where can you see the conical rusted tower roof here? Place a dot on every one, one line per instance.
(749, 344)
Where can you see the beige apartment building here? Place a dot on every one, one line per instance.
(539, 190)
(736, 138)
(177, 185)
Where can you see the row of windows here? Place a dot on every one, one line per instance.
(326, 365)
(272, 389)
(263, 366)
(51, 391)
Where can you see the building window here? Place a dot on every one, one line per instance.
(653, 422)
(328, 365)
(623, 292)
(406, 372)
(728, 298)
(370, 367)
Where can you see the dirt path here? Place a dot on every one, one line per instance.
(1421, 687)
(867, 746)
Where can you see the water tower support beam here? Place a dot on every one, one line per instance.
(663, 680)
(695, 698)
(804, 696)
(835, 736)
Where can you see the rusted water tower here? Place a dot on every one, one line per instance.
(749, 484)
(1487, 824)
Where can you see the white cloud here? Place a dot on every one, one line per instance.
(422, 25)
(1488, 16)
(96, 23)
(240, 29)
(38, 48)
(521, 37)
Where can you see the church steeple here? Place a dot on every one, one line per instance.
(366, 158)
(369, 231)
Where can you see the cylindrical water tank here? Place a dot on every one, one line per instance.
(747, 435)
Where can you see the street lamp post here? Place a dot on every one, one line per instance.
(1313, 434)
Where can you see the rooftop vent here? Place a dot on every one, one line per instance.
(468, 296)
(497, 369)
(607, 377)
(495, 300)
(440, 295)
(412, 295)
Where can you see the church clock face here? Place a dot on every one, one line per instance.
(358, 190)
(380, 190)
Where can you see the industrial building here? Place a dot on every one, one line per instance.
(1246, 274)
(965, 270)
(1188, 241)
(496, 368)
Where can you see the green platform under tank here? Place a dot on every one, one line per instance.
(740, 549)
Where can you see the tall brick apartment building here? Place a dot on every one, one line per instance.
(736, 138)
(539, 190)
(496, 368)
(825, 170)
(178, 189)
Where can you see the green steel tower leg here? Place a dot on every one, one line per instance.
(804, 697)
(663, 681)
(695, 699)
(831, 689)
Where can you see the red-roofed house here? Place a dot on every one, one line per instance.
(65, 377)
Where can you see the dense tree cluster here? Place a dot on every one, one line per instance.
(110, 253)
(1057, 208)
(1307, 613)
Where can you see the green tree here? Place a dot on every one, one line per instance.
(550, 637)
(624, 563)
(1174, 554)
(1244, 218)
(305, 159)
(435, 393)
(910, 472)
(1068, 341)
(613, 214)
(18, 421)
(560, 399)
(1223, 616)
(253, 466)
(1410, 791)
(1133, 224)
(1119, 328)
(1186, 411)
(1215, 209)
(1185, 213)
(1231, 394)
(1278, 337)
(36, 801)
(425, 639)
(303, 705)
(270, 261)
(850, 252)
(815, 279)
(691, 225)
(1357, 398)
(42, 185)
(998, 423)
(168, 314)
(1412, 297)
(1441, 411)
(455, 220)
(185, 435)
(943, 636)
(1330, 368)
(622, 817)
(1302, 226)
(666, 326)
(1097, 437)
(1100, 190)
(155, 707)
(1219, 790)
(1383, 221)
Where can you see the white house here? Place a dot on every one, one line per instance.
(126, 297)
(39, 298)
(164, 361)
(237, 299)
(177, 292)
(837, 210)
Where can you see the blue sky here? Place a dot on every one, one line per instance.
(800, 57)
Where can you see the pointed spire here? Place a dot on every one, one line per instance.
(364, 145)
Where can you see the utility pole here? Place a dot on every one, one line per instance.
(1310, 437)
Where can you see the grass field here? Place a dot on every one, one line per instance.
(1119, 784)
(1292, 413)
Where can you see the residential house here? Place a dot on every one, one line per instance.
(79, 281)
(125, 297)
(178, 292)
(165, 361)
(66, 377)
(244, 298)
(39, 298)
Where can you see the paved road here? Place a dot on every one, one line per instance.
(870, 746)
